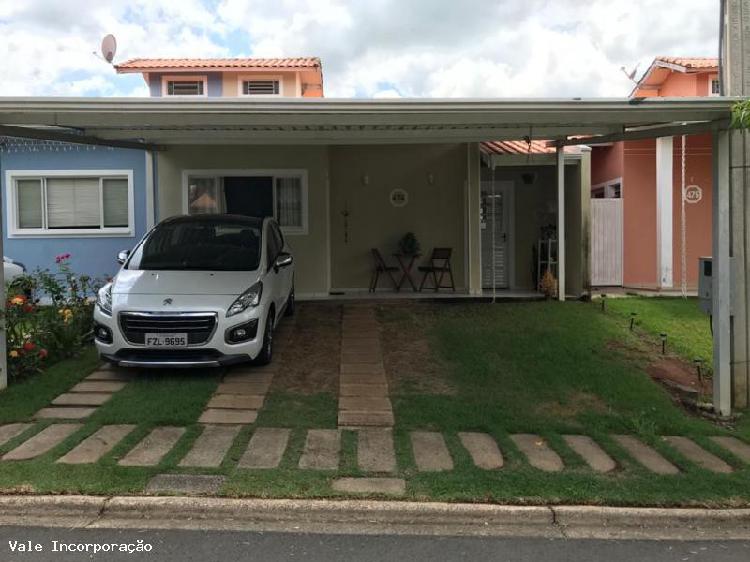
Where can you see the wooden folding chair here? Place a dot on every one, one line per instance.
(381, 267)
(440, 264)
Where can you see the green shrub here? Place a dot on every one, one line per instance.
(48, 316)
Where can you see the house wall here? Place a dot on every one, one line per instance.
(310, 250)
(639, 210)
(606, 163)
(434, 212)
(639, 214)
(680, 84)
(92, 255)
(698, 215)
(230, 82)
(213, 82)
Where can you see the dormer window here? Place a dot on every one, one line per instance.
(260, 86)
(184, 86)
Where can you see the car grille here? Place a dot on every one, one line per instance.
(199, 326)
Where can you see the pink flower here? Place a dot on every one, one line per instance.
(62, 257)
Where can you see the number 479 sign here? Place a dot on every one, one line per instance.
(693, 194)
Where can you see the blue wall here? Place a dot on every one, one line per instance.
(213, 83)
(92, 255)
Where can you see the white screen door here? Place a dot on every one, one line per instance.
(496, 206)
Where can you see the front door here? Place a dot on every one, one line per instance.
(495, 226)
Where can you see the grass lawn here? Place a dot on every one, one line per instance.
(687, 327)
(548, 368)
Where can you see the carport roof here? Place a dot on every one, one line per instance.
(160, 121)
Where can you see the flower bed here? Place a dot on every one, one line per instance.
(48, 316)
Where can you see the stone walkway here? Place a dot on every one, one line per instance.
(363, 388)
(268, 446)
(85, 397)
(239, 396)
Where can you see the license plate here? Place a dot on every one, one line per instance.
(166, 340)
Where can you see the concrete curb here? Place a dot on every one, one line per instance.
(373, 517)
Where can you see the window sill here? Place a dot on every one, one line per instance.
(113, 233)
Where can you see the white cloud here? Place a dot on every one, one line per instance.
(438, 48)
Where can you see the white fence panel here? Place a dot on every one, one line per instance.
(606, 242)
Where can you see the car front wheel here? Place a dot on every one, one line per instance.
(266, 351)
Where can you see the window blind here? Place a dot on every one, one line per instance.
(29, 194)
(73, 203)
(115, 202)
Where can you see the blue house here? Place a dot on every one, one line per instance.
(86, 201)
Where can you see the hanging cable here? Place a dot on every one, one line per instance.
(683, 228)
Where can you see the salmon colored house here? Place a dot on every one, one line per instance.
(647, 176)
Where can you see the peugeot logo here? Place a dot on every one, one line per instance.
(167, 302)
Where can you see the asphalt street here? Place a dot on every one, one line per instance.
(207, 546)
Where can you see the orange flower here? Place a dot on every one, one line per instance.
(18, 300)
(14, 353)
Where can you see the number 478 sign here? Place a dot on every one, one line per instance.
(693, 194)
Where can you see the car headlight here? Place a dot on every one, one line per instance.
(104, 299)
(249, 298)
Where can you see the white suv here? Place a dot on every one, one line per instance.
(197, 291)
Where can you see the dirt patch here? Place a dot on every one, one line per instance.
(308, 350)
(672, 372)
(411, 363)
(575, 403)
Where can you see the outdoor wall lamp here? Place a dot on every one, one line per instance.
(430, 178)
(365, 179)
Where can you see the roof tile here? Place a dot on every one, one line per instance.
(691, 62)
(239, 63)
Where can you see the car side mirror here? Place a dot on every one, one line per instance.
(283, 260)
(122, 256)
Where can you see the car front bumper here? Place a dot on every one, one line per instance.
(215, 351)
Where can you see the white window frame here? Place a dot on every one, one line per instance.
(183, 78)
(273, 173)
(711, 78)
(249, 77)
(607, 188)
(12, 176)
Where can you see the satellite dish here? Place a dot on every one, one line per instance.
(109, 47)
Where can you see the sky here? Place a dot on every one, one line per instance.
(369, 48)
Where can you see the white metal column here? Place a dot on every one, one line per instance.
(664, 196)
(3, 340)
(560, 157)
(721, 276)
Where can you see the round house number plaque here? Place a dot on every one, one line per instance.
(399, 197)
(693, 194)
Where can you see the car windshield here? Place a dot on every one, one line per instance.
(201, 246)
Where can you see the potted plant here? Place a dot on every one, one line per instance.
(409, 245)
(549, 284)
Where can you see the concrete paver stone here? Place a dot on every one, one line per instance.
(82, 399)
(384, 486)
(152, 448)
(693, 452)
(590, 451)
(321, 450)
(45, 440)
(738, 448)
(266, 448)
(375, 452)
(538, 452)
(12, 430)
(96, 445)
(98, 386)
(645, 455)
(225, 416)
(483, 450)
(430, 451)
(211, 446)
